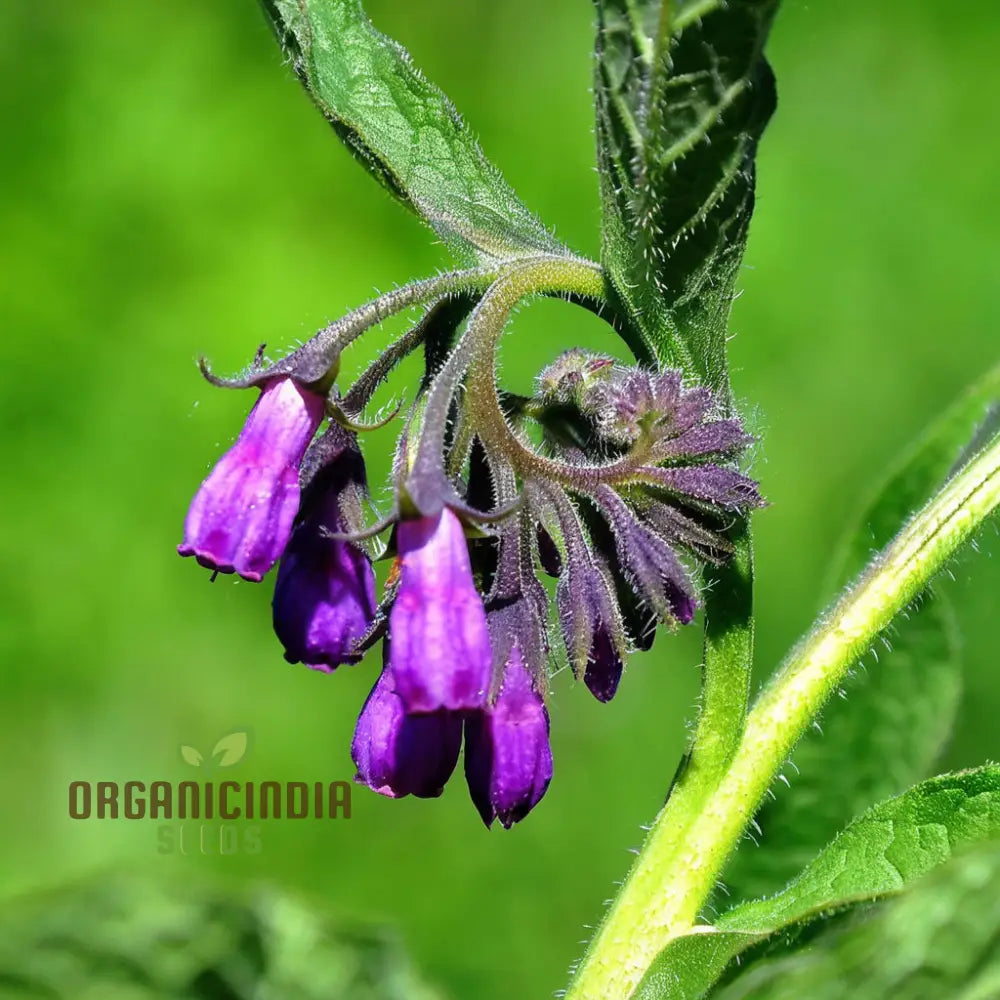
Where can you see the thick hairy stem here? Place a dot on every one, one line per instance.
(729, 639)
(705, 817)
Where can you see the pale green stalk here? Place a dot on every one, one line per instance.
(701, 824)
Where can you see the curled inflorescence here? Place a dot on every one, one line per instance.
(619, 481)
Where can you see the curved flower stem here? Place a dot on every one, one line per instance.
(341, 333)
(530, 276)
(359, 395)
(485, 330)
(701, 824)
(315, 362)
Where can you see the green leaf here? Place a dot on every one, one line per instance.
(120, 938)
(877, 855)
(404, 130)
(683, 94)
(889, 729)
(939, 939)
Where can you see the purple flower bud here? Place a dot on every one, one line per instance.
(440, 645)
(324, 598)
(723, 488)
(604, 666)
(651, 563)
(716, 437)
(242, 514)
(508, 760)
(398, 754)
(592, 628)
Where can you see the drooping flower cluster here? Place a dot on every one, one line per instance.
(625, 491)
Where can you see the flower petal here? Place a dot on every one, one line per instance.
(508, 760)
(440, 645)
(241, 517)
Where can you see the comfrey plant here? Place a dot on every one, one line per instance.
(628, 485)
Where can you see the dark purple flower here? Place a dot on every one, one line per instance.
(604, 665)
(324, 597)
(242, 514)
(651, 563)
(440, 655)
(508, 760)
(592, 628)
(398, 754)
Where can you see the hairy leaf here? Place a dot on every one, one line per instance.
(890, 727)
(683, 95)
(877, 855)
(404, 130)
(120, 938)
(939, 939)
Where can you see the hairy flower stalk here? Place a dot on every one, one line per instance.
(629, 493)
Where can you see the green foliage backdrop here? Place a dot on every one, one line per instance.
(167, 190)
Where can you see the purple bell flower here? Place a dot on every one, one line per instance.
(508, 760)
(324, 597)
(242, 515)
(398, 754)
(440, 656)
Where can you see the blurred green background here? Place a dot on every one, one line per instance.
(166, 189)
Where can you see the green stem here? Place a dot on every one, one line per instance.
(486, 327)
(333, 339)
(729, 637)
(540, 276)
(701, 824)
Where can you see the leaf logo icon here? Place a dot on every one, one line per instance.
(231, 749)
(191, 756)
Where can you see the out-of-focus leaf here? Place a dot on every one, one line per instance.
(939, 939)
(683, 95)
(877, 855)
(404, 130)
(138, 939)
(889, 729)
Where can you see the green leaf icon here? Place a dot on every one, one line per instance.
(191, 756)
(231, 749)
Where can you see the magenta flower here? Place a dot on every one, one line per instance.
(440, 656)
(324, 597)
(242, 515)
(508, 760)
(398, 754)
